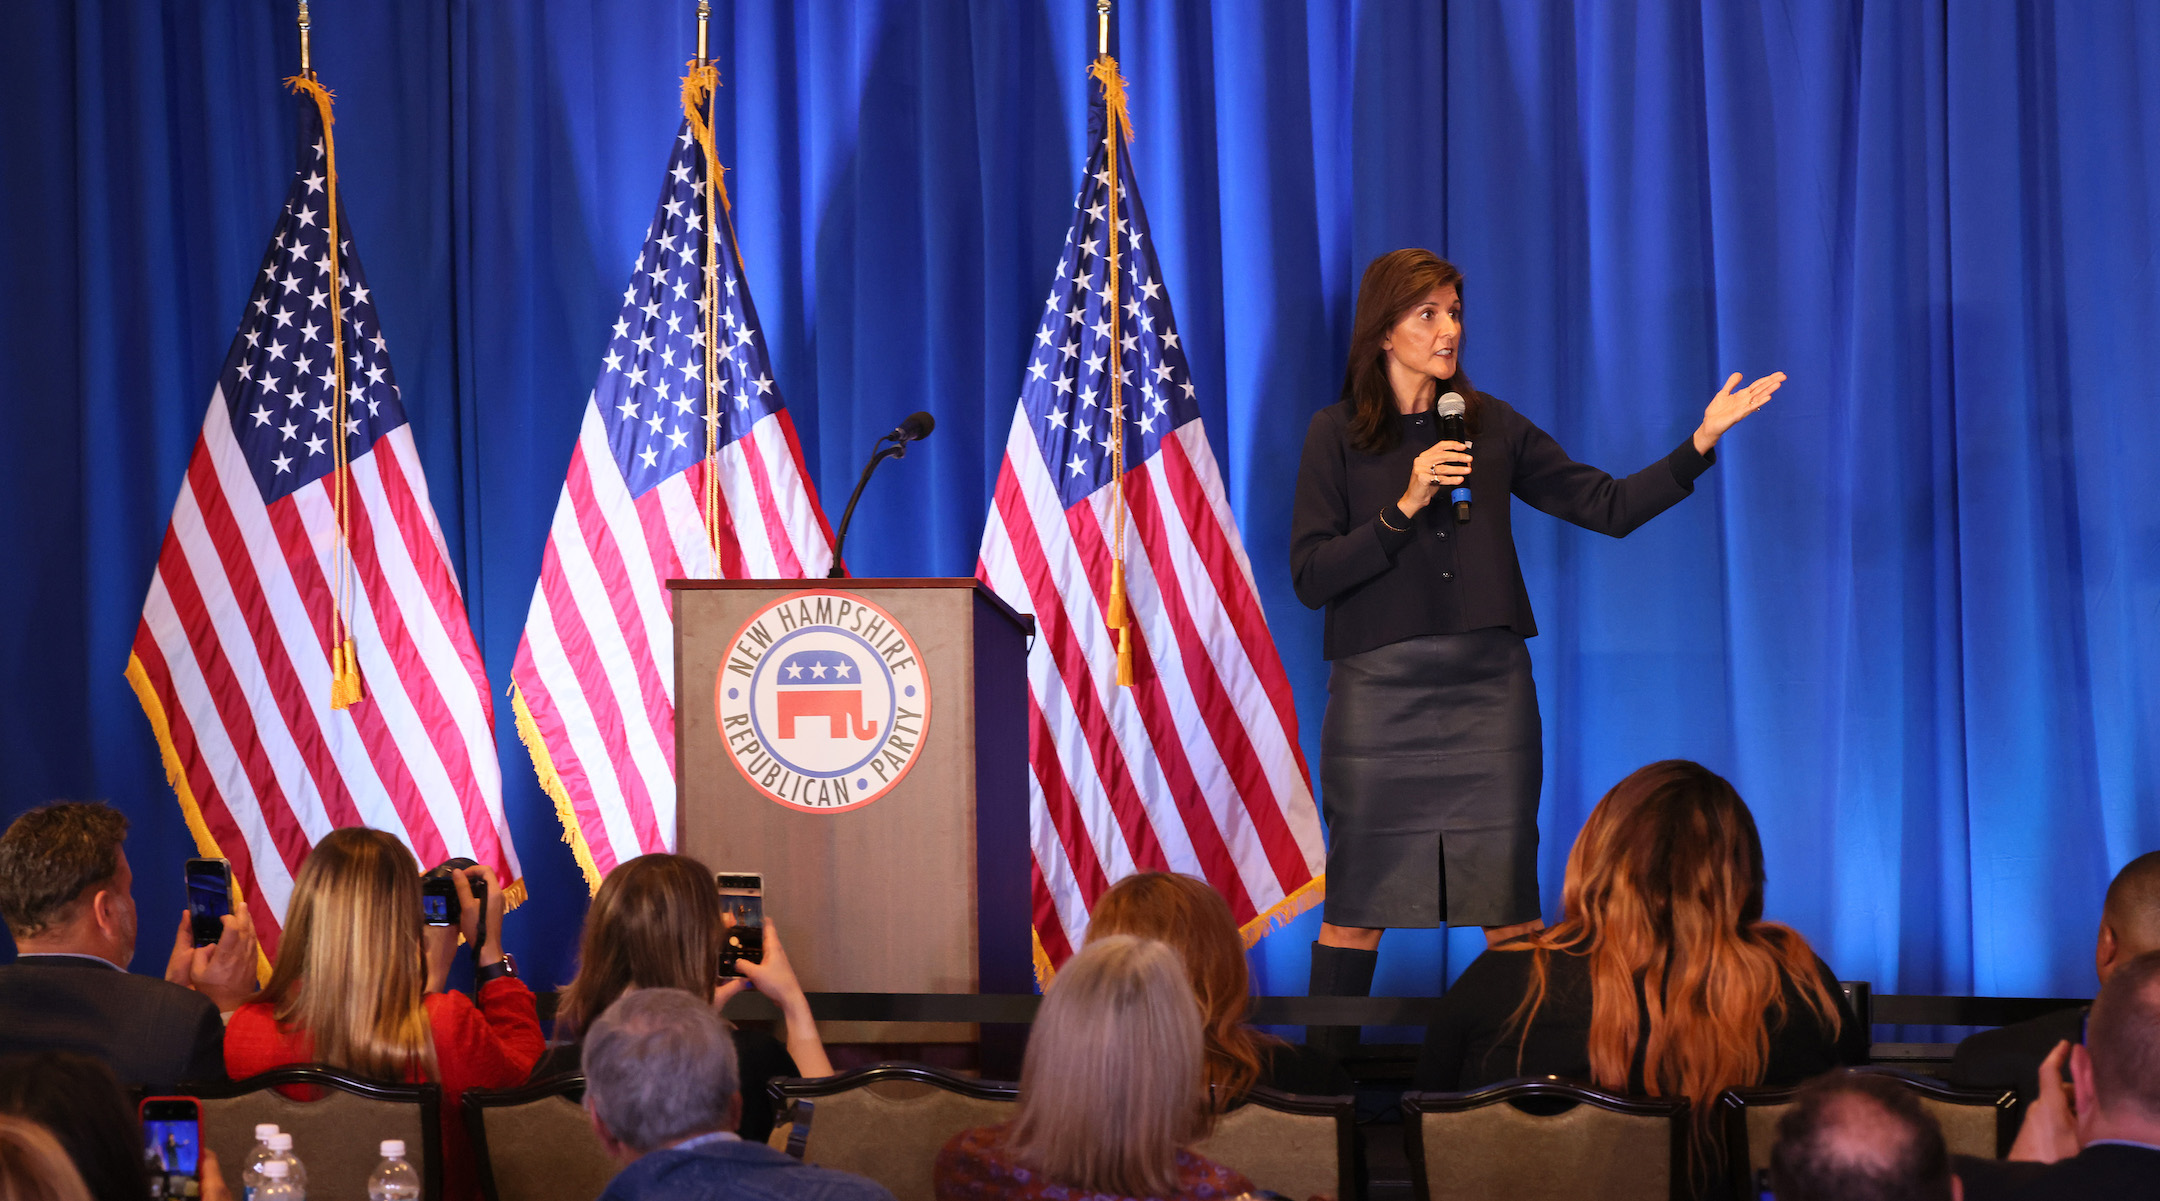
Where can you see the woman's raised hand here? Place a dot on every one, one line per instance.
(1441, 465)
(1728, 407)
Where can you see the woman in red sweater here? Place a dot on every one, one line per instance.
(359, 985)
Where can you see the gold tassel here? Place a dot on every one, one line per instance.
(1124, 658)
(344, 676)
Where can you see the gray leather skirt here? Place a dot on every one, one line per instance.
(1431, 758)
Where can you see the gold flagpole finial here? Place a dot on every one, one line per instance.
(307, 67)
(704, 16)
(1102, 26)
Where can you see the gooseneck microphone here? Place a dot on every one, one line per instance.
(914, 429)
(1449, 409)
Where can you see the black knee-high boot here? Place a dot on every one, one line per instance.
(1338, 972)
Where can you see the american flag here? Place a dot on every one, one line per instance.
(594, 682)
(1194, 768)
(232, 658)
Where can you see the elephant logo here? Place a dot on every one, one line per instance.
(822, 701)
(825, 684)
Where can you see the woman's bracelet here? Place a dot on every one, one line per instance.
(1400, 529)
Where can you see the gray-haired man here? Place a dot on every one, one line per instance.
(662, 1087)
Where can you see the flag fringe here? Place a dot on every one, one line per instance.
(1280, 914)
(176, 775)
(1044, 970)
(551, 783)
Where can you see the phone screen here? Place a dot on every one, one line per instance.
(172, 1147)
(209, 897)
(741, 897)
(438, 901)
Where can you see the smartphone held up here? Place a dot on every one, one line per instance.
(742, 897)
(172, 1145)
(209, 899)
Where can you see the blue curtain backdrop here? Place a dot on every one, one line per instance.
(1911, 613)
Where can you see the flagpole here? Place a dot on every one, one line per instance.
(307, 67)
(704, 15)
(1102, 26)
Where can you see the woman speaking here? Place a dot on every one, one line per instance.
(1431, 751)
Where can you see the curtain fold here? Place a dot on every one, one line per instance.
(1911, 613)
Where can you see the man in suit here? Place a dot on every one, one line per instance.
(1855, 1137)
(66, 893)
(2009, 1056)
(2103, 1138)
(661, 1086)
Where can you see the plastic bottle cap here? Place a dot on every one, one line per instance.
(281, 1141)
(264, 1131)
(393, 1148)
(277, 1169)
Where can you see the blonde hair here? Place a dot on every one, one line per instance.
(1194, 920)
(1111, 1088)
(351, 968)
(33, 1165)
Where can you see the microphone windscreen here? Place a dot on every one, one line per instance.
(1451, 405)
(917, 427)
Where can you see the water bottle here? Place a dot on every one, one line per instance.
(295, 1171)
(277, 1184)
(251, 1170)
(394, 1179)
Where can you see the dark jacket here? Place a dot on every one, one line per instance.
(1431, 576)
(2009, 1056)
(153, 1033)
(1473, 1043)
(2111, 1171)
(736, 1171)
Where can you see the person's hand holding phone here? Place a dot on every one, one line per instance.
(774, 976)
(223, 971)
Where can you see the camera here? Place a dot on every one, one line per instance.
(439, 904)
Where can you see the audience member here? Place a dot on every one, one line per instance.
(1193, 919)
(1854, 1137)
(2101, 1137)
(1662, 978)
(66, 893)
(80, 1100)
(33, 1167)
(1110, 1092)
(657, 923)
(662, 1089)
(2009, 1056)
(359, 986)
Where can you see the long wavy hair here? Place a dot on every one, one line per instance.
(1393, 285)
(655, 923)
(1193, 919)
(1665, 890)
(351, 968)
(1110, 1088)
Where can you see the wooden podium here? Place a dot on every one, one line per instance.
(863, 744)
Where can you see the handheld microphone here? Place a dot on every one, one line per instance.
(1449, 409)
(914, 429)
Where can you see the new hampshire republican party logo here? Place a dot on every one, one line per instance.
(822, 701)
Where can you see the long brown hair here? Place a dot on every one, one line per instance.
(1194, 920)
(351, 968)
(1394, 283)
(1110, 1087)
(655, 923)
(1665, 889)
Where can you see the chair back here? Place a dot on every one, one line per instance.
(1294, 1145)
(1975, 1121)
(338, 1122)
(887, 1122)
(1545, 1140)
(535, 1143)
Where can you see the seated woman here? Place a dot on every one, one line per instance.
(1110, 1095)
(359, 985)
(657, 923)
(1663, 979)
(1194, 920)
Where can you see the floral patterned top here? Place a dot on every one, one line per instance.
(974, 1167)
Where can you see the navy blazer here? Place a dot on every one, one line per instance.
(154, 1034)
(739, 1171)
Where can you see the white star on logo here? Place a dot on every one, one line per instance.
(794, 671)
(817, 670)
